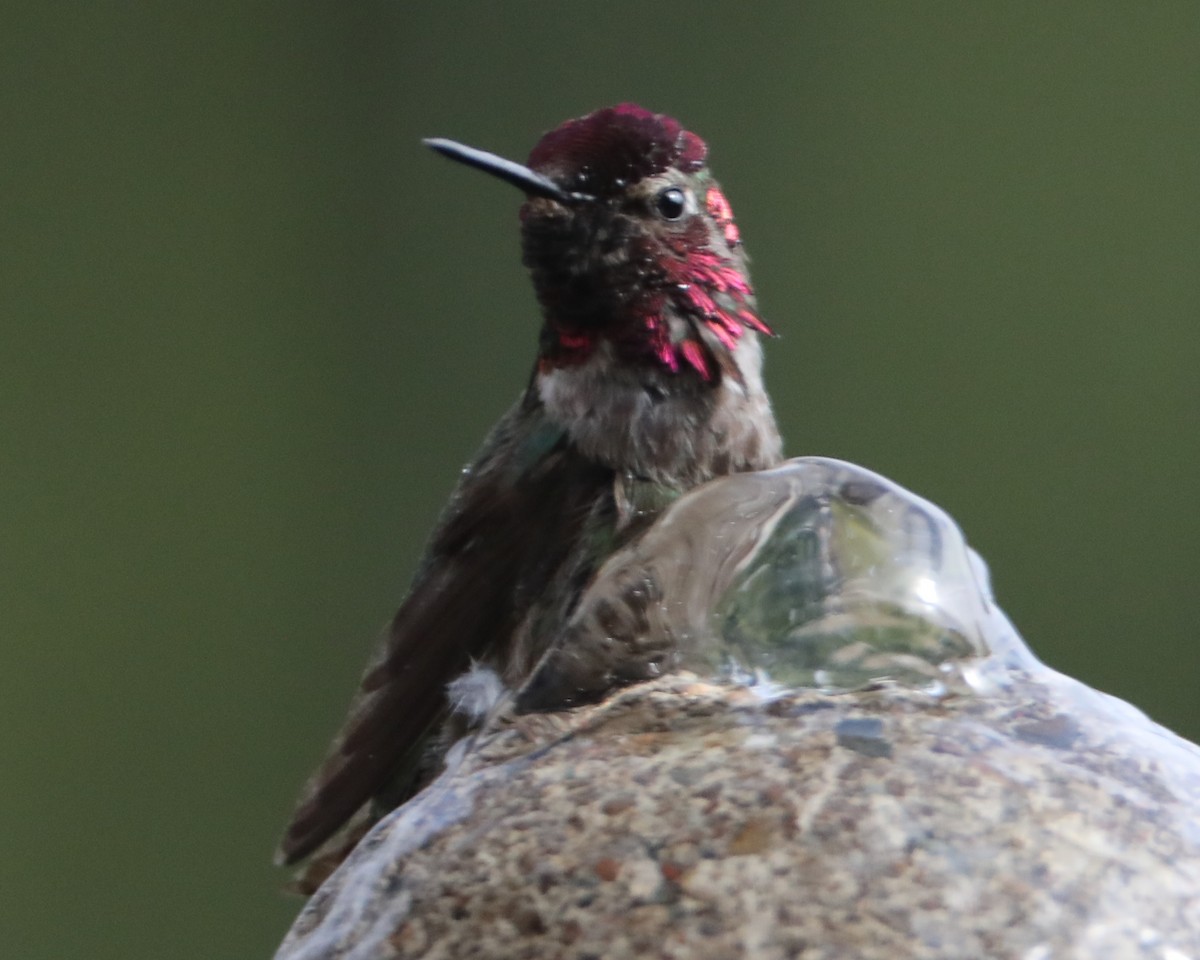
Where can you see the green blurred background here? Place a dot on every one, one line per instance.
(251, 330)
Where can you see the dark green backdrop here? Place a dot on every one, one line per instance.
(250, 330)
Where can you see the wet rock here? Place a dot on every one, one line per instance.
(849, 753)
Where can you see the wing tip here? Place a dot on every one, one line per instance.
(296, 843)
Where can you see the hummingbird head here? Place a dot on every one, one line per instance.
(630, 243)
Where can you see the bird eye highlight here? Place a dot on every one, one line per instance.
(670, 203)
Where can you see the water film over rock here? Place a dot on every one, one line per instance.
(789, 721)
(815, 574)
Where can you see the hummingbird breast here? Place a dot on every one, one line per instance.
(665, 426)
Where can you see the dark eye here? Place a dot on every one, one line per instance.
(670, 203)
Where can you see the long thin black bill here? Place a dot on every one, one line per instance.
(517, 174)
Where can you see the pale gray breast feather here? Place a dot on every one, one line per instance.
(639, 419)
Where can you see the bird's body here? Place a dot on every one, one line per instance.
(647, 383)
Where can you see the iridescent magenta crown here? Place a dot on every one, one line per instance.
(604, 152)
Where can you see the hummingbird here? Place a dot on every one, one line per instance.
(647, 383)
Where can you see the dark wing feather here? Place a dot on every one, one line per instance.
(515, 516)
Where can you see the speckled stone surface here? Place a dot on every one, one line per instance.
(682, 819)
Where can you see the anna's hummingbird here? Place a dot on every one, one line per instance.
(647, 382)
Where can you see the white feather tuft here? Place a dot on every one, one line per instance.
(476, 692)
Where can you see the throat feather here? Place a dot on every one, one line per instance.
(700, 308)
